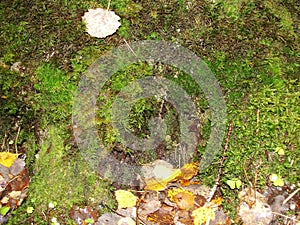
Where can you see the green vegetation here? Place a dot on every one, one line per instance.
(251, 46)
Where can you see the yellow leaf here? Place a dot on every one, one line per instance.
(218, 201)
(162, 176)
(125, 199)
(155, 185)
(162, 172)
(7, 158)
(203, 214)
(183, 199)
(188, 171)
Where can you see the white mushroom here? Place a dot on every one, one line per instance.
(101, 23)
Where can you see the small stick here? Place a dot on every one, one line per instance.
(217, 182)
(16, 140)
(290, 196)
(3, 143)
(108, 5)
(287, 217)
(130, 48)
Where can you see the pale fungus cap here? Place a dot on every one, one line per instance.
(101, 23)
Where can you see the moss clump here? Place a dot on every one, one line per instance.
(63, 178)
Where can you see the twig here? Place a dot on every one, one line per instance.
(287, 217)
(3, 143)
(217, 182)
(16, 140)
(290, 196)
(130, 48)
(108, 5)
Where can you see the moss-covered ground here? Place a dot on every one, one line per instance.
(252, 47)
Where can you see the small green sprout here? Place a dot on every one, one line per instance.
(276, 180)
(234, 183)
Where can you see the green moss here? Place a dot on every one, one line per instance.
(251, 46)
(61, 176)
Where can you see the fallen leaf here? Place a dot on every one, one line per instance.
(17, 166)
(7, 158)
(149, 204)
(220, 218)
(183, 217)
(4, 210)
(108, 219)
(253, 208)
(188, 182)
(15, 194)
(218, 201)
(155, 185)
(188, 171)
(158, 174)
(163, 216)
(126, 221)
(183, 199)
(203, 214)
(125, 199)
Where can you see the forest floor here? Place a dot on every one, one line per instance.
(251, 47)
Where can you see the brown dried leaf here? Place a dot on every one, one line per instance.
(17, 167)
(253, 208)
(163, 216)
(183, 217)
(184, 200)
(149, 206)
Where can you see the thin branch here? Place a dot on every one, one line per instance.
(108, 5)
(130, 48)
(290, 196)
(287, 217)
(16, 140)
(217, 182)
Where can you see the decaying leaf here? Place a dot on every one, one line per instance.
(188, 171)
(126, 221)
(183, 199)
(17, 167)
(198, 189)
(149, 204)
(183, 217)
(7, 158)
(163, 216)
(203, 214)
(158, 174)
(101, 23)
(120, 217)
(253, 208)
(220, 219)
(218, 201)
(125, 199)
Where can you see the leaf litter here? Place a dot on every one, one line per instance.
(14, 183)
(165, 200)
(173, 197)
